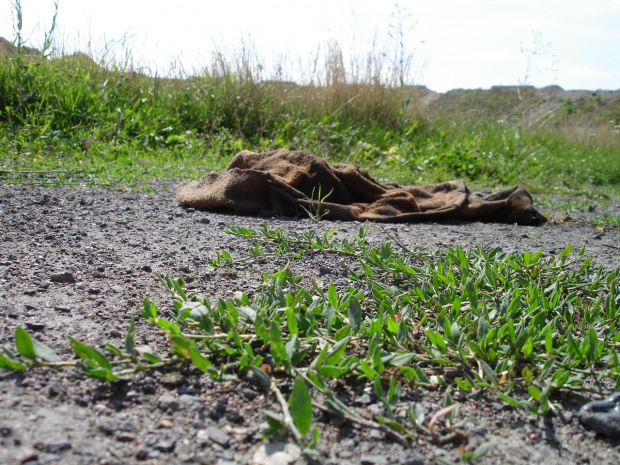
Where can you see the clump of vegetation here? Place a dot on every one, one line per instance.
(522, 327)
(70, 119)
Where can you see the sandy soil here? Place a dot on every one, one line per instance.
(112, 243)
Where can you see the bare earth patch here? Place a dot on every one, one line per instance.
(79, 262)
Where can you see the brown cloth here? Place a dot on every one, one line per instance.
(282, 182)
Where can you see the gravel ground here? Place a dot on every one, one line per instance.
(107, 246)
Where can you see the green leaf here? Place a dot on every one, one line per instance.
(277, 346)
(463, 384)
(291, 347)
(149, 354)
(476, 349)
(275, 422)
(355, 314)
(320, 359)
(112, 349)
(421, 375)
(8, 360)
(377, 362)
(342, 332)
(549, 340)
(534, 392)
(44, 352)
(393, 424)
(560, 378)
(292, 321)
(528, 347)
(130, 338)
(593, 344)
(316, 381)
(487, 370)
(455, 333)
(89, 353)
(188, 349)
(167, 326)
(437, 340)
(202, 315)
(368, 370)
(402, 359)
(510, 400)
(261, 376)
(149, 309)
(328, 316)
(300, 404)
(566, 252)
(332, 295)
(482, 450)
(24, 343)
(95, 364)
(471, 292)
(245, 313)
(483, 328)
(261, 329)
(316, 435)
(379, 392)
(330, 371)
(335, 355)
(392, 326)
(395, 390)
(299, 355)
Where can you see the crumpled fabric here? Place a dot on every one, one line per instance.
(293, 183)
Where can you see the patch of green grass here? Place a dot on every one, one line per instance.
(607, 221)
(571, 205)
(521, 327)
(70, 120)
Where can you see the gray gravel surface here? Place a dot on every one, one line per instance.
(79, 262)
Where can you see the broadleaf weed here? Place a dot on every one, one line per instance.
(507, 323)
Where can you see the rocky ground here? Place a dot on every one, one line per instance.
(79, 262)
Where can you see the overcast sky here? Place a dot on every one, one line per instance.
(455, 43)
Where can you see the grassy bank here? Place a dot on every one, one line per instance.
(71, 120)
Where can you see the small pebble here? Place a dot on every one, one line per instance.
(33, 326)
(56, 390)
(168, 402)
(172, 379)
(53, 447)
(118, 289)
(165, 446)
(164, 423)
(218, 436)
(276, 453)
(249, 394)
(373, 460)
(63, 278)
(603, 415)
(125, 437)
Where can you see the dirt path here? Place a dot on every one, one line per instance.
(110, 244)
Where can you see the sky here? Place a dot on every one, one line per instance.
(452, 43)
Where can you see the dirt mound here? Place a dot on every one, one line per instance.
(525, 104)
(8, 49)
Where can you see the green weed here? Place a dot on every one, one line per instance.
(523, 327)
(70, 120)
(316, 211)
(607, 221)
